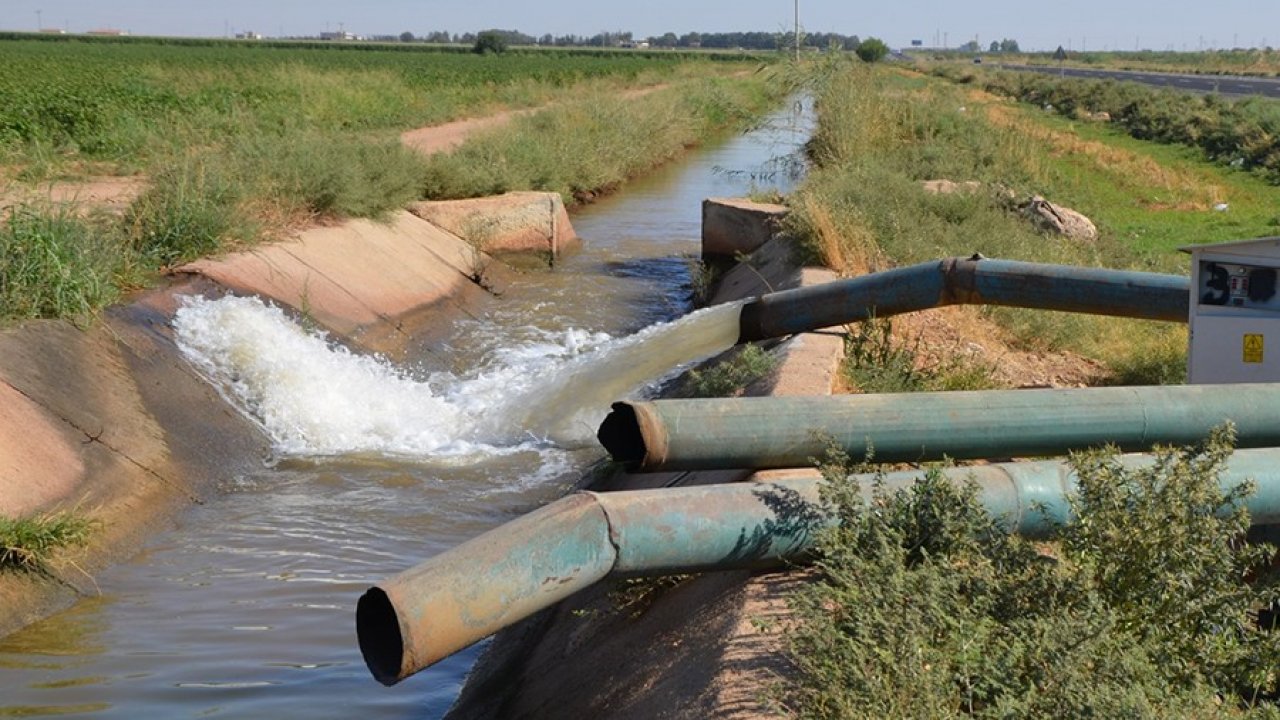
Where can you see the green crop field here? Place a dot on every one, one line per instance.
(231, 143)
(110, 100)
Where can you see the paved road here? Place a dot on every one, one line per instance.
(1224, 84)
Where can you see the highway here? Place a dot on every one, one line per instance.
(1222, 84)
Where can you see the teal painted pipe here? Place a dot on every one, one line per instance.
(967, 281)
(458, 597)
(781, 432)
(470, 592)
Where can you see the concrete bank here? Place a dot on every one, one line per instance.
(112, 422)
(697, 649)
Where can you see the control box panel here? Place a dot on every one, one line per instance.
(1235, 312)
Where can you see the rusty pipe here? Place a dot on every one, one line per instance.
(467, 593)
(967, 281)
(781, 432)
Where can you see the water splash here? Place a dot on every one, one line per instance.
(315, 397)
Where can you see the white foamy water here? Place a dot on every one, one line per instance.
(314, 397)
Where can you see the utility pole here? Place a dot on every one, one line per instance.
(797, 29)
(39, 21)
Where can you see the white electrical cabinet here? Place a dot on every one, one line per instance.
(1235, 312)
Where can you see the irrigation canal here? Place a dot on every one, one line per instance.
(246, 608)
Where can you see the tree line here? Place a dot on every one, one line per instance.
(723, 40)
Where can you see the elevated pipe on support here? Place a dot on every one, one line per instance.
(470, 592)
(782, 432)
(967, 281)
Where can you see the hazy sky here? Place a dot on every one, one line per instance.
(1096, 24)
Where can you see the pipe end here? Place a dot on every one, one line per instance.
(621, 436)
(378, 629)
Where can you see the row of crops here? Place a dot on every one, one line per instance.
(93, 95)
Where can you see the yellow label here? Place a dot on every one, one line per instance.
(1252, 348)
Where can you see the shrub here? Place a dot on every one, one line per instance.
(927, 608)
(872, 50)
(489, 42)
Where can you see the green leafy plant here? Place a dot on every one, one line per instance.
(1147, 608)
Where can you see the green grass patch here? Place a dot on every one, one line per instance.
(743, 367)
(30, 544)
(597, 142)
(881, 134)
(1144, 608)
(56, 264)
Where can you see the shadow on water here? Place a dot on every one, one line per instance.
(246, 607)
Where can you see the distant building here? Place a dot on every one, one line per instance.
(249, 35)
(112, 32)
(341, 35)
(53, 31)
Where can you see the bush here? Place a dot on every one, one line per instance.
(1245, 132)
(872, 50)
(489, 42)
(927, 608)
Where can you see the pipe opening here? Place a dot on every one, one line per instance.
(620, 435)
(378, 630)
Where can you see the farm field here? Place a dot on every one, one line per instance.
(219, 145)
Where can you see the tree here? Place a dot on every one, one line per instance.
(872, 50)
(970, 47)
(489, 41)
(406, 36)
(1009, 46)
(995, 46)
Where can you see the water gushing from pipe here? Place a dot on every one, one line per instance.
(315, 397)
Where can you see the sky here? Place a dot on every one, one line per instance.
(1082, 24)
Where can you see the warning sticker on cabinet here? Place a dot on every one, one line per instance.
(1252, 348)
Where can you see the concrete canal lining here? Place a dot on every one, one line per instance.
(112, 422)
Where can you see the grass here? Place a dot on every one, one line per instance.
(596, 142)
(874, 362)
(1144, 608)
(882, 133)
(729, 376)
(54, 263)
(30, 544)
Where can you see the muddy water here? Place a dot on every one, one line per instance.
(246, 608)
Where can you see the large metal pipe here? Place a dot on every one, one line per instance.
(780, 432)
(470, 592)
(967, 281)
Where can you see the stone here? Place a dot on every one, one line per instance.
(1059, 220)
(949, 187)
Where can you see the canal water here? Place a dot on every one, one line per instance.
(246, 608)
